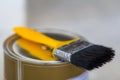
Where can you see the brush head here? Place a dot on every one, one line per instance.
(92, 57)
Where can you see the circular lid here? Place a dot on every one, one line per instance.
(12, 48)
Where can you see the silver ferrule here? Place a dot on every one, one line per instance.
(66, 51)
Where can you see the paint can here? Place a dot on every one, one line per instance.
(19, 65)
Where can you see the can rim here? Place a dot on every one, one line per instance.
(8, 47)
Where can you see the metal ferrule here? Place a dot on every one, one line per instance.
(66, 51)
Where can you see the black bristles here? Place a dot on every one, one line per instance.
(92, 57)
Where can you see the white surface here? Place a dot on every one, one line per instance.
(84, 76)
(97, 20)
(12, 13)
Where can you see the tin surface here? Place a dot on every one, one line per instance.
(21, 66)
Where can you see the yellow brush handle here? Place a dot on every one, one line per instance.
(38, 37)
(35, 49)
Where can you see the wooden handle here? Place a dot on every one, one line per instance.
(39, 37)
(35, 49)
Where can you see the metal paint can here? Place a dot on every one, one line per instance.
(21, 66)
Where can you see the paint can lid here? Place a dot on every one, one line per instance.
(12, 48)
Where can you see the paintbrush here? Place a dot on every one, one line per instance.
(35, 49)
(80, 53)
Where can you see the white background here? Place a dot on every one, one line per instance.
(97, 20)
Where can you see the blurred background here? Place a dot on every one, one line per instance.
(97, 20)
